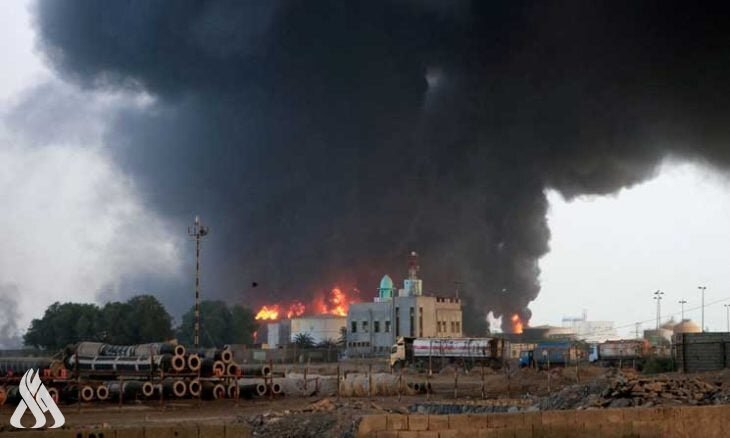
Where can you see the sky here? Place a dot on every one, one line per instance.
(74, 227)
(78, 225)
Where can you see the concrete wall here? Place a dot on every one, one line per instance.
(701, 351)
(705, 422)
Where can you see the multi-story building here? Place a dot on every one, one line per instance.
(372, 328)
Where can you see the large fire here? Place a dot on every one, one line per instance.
(272, 312)
(517, 324)
(336, 302)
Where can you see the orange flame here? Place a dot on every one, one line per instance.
(295, 309)
(269, 312)
(335, 303)
(517, 324)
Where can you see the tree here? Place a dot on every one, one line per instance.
(244, 325)
(219, 325)
(147, 320)
(64, 324)
(140, 319)
(303, 340)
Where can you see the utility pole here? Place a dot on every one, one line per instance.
(197, 232)
(703, 288)
(638, 327)
(727, 315)
(682, 302)
(658, 297)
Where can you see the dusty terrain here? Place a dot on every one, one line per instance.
(323, 413)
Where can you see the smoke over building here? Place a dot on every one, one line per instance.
(324, 139)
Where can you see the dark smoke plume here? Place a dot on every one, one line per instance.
(323, 140)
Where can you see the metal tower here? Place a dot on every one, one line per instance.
(197, 232)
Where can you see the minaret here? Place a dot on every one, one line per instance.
(413, 266)
(412, 285)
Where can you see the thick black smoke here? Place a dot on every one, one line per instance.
(323, 140)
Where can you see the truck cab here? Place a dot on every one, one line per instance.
(400, 352)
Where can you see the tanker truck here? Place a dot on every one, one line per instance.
(438, 351)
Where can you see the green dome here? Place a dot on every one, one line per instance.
(386, 282)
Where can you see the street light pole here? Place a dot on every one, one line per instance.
(727, 315)
(658, 297)
(703, 288)
(682, 302)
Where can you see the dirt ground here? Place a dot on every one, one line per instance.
(326, 414)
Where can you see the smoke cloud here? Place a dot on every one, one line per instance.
(324, 140)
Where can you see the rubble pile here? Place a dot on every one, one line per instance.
(622, 391)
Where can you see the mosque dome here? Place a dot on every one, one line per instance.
(386, 282)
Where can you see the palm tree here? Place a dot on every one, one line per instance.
(303, 340)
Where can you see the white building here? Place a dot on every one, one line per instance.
(320, 328)
(591, 331)
(372, 328)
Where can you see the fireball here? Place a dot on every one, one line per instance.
(517, 324)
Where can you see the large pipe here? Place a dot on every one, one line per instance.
(276, 388)
(101, 349)
(210, 367)
(224, 354)
(255, 370)
(163, 362)
(247, 389)
(178, 363)
(232, 390)
(102, 392)
(213, 391)
(232, 369)
(87, 393)
(174, 387)
(148, 389)
(195, 388)
(19, 365)
(194, 362)
(54, 393)
(128, 388)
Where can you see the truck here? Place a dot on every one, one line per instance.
(550, 353)
(466, 351)
(615, 352)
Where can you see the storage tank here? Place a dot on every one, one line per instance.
(686, 326)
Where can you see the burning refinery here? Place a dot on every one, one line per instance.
(322, 319)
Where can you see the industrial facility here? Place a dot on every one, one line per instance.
(372, 328)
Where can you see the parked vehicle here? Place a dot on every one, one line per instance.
(614, 352)
(482, 351)
(550, 353)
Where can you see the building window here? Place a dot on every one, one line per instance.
(387, 326)
(364, 326)
(353, 327)
(376, 326)
(453, 327)
(412, 326)
(420, 321)
(458, 326)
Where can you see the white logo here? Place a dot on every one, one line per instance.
(38, 400)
